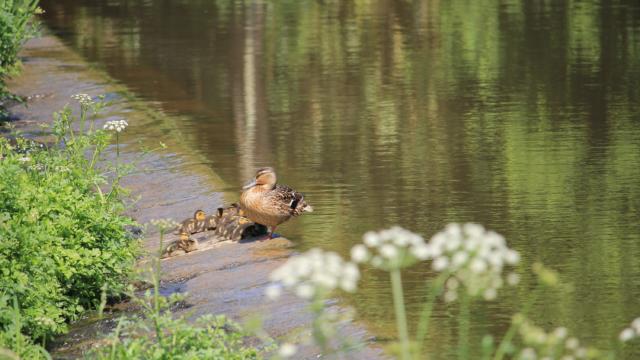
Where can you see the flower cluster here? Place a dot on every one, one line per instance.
(314, 272)
(390, 249)
(83, 99)
(116, 125)
(164, 224)
(632, 332)
(287, 350)
(552, 345)
(474, 257)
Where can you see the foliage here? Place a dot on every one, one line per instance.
(15, 28)
(13, 337)
(160, 336)
(62, 239)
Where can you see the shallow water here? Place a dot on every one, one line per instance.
(522, 116)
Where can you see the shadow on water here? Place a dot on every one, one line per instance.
(522, 116)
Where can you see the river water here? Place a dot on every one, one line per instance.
(523, 116)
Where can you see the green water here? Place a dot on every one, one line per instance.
(520, 115)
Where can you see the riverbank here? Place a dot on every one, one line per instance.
(227, 279)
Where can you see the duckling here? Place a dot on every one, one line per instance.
(187, 243)
(270, 204)
(193, 225)
(227, 219)
(232, 225)
(211, 221)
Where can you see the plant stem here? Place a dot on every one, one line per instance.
(401, 317)
(156, 291)
(83, 118)
(425, 315)
(117, 153)
(463, 327)
(511, 332)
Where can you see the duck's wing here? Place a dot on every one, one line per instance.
(288, 200)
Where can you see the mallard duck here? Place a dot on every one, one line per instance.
(193, 225)
(270, 204)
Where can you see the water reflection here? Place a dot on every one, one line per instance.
(519, 115)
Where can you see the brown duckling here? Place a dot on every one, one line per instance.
(232, 225)
(193, 225)
(211, 221)
(187, 243)
(268, 203)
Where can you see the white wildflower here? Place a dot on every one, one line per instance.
(560, 332)
(452, 283)
(24, 159)
(316, 272)
(388, 251)
(572, 343)
(527, 354)
(273, 292)
(475, 256)
(116, 125)
(459, 259)
(549, 345)
(478, 265)
(421, 252)
(359, 253)
(83, 99)
(391, 248)
(164, 224)
(627, 334)
(581, 353)
(450, 296)
(513, 279)
(371, 239)
(490, 294)
(287, 350)
(440, 263)
(305, 291)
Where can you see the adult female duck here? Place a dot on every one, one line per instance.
(270, 204)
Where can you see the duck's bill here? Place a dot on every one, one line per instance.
(250, 184)
(308, 208)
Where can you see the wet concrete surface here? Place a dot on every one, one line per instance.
(225, 278)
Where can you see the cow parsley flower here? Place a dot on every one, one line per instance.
(554, 344)
(287, 350)
(475, 257)
(314, 272)
(83, 99)
(164, 224)
(116, 125)
(390, 249)
(631, 332)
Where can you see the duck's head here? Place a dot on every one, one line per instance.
(265, 178)
(184, 236)
(199, 215)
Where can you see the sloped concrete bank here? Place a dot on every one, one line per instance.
(228, 278)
